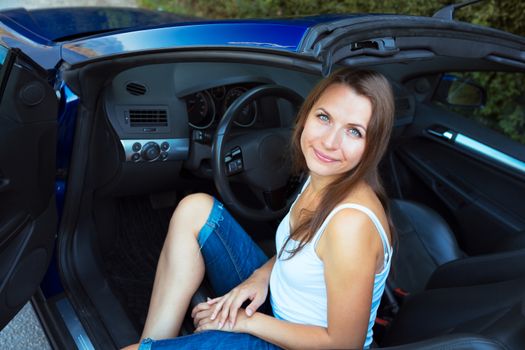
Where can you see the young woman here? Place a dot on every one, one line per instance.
(333, 246)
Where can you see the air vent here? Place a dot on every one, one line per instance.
(148, 117)
(136, 89)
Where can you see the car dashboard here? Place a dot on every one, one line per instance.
(163, 116)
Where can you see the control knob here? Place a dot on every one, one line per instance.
(150, 151)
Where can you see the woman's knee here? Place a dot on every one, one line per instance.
(193, 211)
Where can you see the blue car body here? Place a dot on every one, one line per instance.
(47, 46)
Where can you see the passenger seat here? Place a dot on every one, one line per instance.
(427, 255)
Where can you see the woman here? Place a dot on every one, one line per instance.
(333, 246)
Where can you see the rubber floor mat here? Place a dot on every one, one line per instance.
(132, 261)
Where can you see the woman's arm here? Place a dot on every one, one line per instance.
(349, 249)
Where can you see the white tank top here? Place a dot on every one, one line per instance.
(297, 285)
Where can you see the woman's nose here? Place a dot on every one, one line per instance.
(332, 138)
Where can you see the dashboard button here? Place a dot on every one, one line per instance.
(136, 147)
(232, 167)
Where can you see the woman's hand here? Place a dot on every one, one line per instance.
(202, 321)
(201, 314)
(225, 309)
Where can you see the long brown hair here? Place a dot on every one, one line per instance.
(377, 89)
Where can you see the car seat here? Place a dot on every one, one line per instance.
(428, 256)
(455, 301)
(494, 311)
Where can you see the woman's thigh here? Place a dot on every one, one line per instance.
(230, 255)
(210, 340)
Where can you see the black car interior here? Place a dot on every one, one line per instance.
(146, 134)
(429, 256)
(28, 126)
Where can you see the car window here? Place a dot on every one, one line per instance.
(495, 99)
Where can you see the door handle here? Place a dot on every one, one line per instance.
(443, 133)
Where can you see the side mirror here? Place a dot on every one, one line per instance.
(459, 92)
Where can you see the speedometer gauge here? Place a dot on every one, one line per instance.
(201, 110)
(248, 115)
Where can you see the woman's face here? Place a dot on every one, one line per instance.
(333, 139)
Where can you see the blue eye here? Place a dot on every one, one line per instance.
(323, 117)
(355, 132)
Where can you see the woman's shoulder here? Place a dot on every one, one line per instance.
(362, 200)
(357, 228)
(351, 234)
(359, 214)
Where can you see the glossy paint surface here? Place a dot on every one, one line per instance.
(50, 36)
(275, 36)
(19, 30)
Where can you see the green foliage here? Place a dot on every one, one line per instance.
(286, 8)
(508, 15)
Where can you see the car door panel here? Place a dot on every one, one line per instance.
(487, 215)
(28, 110)
(11, 226)
(483, 198)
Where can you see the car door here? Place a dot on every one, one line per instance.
(467, 159)
(28, 129)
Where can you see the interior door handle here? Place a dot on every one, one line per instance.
(443, 133)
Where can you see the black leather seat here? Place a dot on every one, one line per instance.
(456, 301)
(495, 311)
(428, 256)
(453, 342)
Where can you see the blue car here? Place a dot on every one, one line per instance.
(108, 117)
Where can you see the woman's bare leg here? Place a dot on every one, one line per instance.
(180, 269)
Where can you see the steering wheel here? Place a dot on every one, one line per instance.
(258, 158)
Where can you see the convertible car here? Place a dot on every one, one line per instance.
(108, 117)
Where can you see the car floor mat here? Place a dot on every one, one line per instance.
(132, 260)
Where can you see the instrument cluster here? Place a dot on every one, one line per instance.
(206, 107)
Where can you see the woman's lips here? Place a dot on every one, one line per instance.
(323, 157)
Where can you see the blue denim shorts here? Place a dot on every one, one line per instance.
(230, 257)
